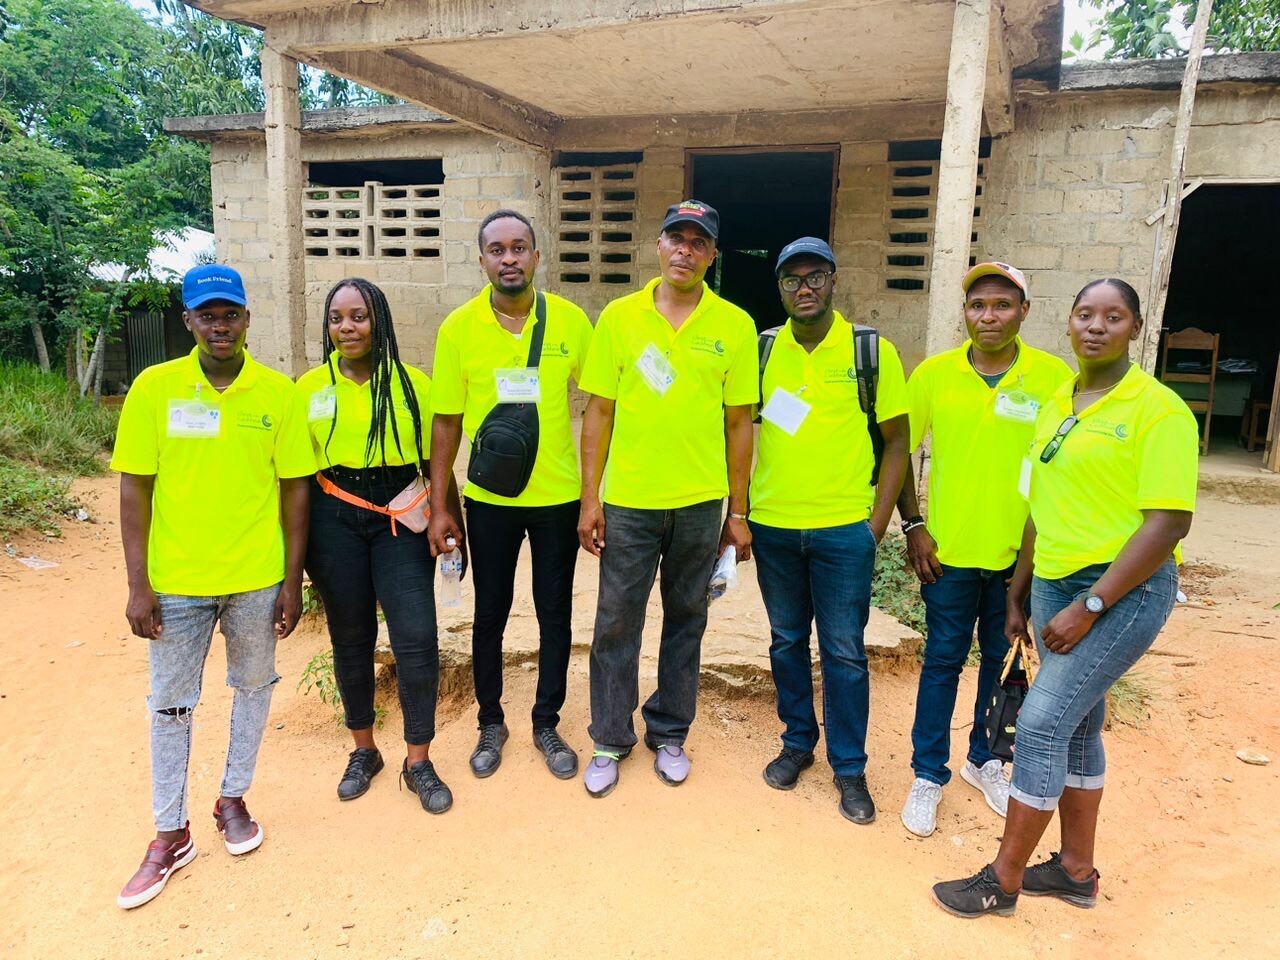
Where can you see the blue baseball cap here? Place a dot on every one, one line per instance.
(212, 281)
(806, 246)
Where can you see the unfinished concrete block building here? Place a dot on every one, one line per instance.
(915, 135)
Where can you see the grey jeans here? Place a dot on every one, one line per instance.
(682, 544)
(177, 669)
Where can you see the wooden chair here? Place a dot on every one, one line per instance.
(1193, 339)
(1254, 420)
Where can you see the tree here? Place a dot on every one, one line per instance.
(1149, 29)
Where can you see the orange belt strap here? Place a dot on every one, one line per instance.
(333, 490)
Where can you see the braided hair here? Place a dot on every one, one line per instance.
(385, 362)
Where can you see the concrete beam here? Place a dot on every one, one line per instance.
(403, 74)
(283, 124)
(396, 23)
(392, 117)
(957, 172)
(998, 101)
(908, 121)
(1167, 74)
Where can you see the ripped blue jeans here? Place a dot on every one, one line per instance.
(177, 669)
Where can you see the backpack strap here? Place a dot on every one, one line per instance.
(539, 330)
(866, 360)
(764, 344)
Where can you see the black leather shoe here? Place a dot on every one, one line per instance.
(421, 778)
(363, 764)
(855, 800)
(784, 770)
(487, 756)
(561, 760)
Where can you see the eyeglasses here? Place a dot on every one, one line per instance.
(1052, 446)
(814, 281)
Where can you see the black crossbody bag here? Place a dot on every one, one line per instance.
(506, 445)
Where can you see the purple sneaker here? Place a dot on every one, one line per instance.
(671, 764)
(601, 775)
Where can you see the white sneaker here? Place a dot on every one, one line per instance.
(920, 812)
(990, 779)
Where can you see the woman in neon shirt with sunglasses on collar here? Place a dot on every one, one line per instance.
(1112, 476)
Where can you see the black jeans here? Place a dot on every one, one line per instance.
(356, 563)
(682, 544)
(495, 533)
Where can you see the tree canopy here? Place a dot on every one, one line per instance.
(1149, 29)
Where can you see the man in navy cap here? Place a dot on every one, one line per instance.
(830, 394)
(672, 377)
(214, 467)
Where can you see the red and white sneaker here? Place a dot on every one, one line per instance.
(240, 832)
(162, 861)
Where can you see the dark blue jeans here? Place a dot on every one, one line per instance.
(820, 577)
(682, 543)
(961, 598)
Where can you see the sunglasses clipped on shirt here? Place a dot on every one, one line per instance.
(1055, 443)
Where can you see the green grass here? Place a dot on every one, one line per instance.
(44, 422)
(48, 436)
(894, 587)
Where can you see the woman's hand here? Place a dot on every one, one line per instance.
(1015, 624)
(1068, 628)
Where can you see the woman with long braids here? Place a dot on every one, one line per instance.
(1112, 487)
(369, 417)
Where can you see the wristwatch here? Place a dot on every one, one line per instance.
(911, 523)
(1095, 604)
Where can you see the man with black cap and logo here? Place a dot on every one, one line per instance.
(979, 402)
(834, 413)
(672, 376)
(214, 468)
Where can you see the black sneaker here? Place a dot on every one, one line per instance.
(855, 799)
(784, 770)
(974, 897)
(363, 764)
(487, 756)
(561, 760)
(421, 778)
(1050, 879)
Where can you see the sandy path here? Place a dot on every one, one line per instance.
(527, 866)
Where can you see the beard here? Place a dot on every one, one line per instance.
(513, 288)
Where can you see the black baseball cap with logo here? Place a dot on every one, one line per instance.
(696, 212)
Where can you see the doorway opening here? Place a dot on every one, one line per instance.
(1221, 282)
(766, 197)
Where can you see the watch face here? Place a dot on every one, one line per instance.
(1094, 604)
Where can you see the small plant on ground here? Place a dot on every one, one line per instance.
(1129, 701)
(894, 587)
(318, 675)
(31, 499)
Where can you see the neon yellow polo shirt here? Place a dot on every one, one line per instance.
(1136, 448)
(975, 511)
(472, 345)
(668, 449)
(215, 510)
(345, 407)
(821, 475)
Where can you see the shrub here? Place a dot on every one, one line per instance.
(43, 422)
(31, 499)
(894, 587)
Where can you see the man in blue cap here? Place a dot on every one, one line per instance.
(214, 467)
(831, 394)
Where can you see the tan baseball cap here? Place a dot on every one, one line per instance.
(997, 269)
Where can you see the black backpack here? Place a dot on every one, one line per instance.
(506, 445)
(866, 359)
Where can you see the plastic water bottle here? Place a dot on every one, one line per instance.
(451, 575)
(725, 574)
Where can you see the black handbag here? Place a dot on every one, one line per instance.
(1000, 722)
(506, 445)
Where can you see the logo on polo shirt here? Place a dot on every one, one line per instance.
(254, 421)
(1122, 431)
(708, 345)
(560, 349)
(845, 375)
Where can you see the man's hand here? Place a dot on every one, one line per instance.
(591, 525)
(1068, 628)
(736, 534)
(143, 612)
(441, 527)
(288, 608)
(922, 551)
(1015, 623)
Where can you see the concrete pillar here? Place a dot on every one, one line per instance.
(957, 172)
(284, 209)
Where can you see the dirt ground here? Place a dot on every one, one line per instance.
(528, 866)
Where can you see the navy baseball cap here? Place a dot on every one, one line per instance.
(212, 281)
(806, 247)
(693, 211)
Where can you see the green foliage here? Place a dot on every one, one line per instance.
(318, 675)
(894, 587)
(31, 499)
(43, 423)
(312, 604)
(1150, 29)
